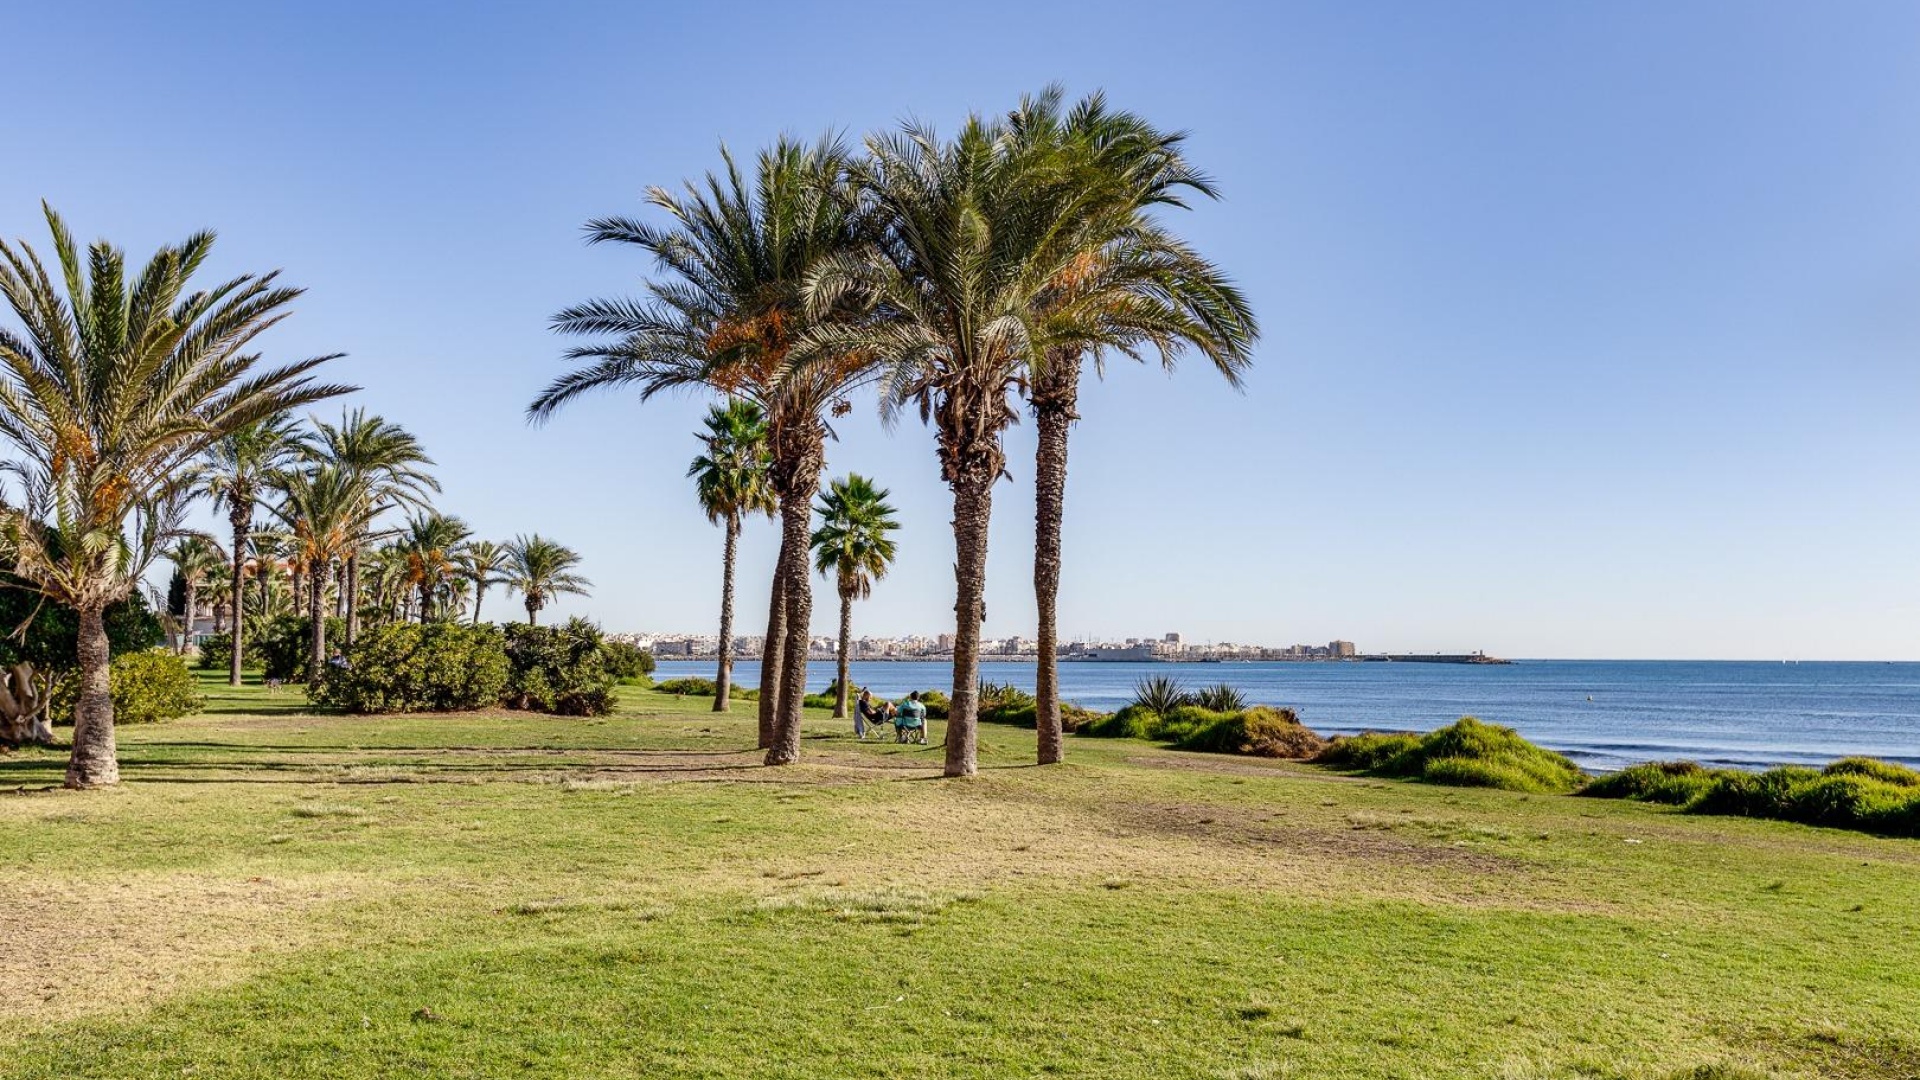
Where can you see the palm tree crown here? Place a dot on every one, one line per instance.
(107, 395)
(853, 544)
(540, 569)
(431, 541)
(730, 479)
(483, 563)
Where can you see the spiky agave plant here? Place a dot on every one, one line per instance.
(1221, 697)
(1160, 693)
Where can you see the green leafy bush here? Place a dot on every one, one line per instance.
(147, 687)
(409, 667)
(626, 661)
(937, 704)
(282, 650)
(1131, 722)
(1852, 793)
(50, 640)
(558, 669)
(1467, 753)
(1260, 732)
(1026, 714)
(692, 686)
(1372, 751)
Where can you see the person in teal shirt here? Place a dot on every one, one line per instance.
(912, 721)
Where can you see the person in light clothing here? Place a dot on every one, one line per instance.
(911, 724)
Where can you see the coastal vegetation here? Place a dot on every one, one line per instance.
(1852, 793)
(1466, 753)
(853, 548)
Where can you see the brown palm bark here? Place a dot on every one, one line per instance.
(239, 512)
(186, 621)
(317, 638)
(799, 448)
(723, 678)
(972, 510)
(94, 761)
(796, 516)
(772, 649)
(846, 637)
(1054, 396)
(353, 599)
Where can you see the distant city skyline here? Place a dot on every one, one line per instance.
(1590, 330)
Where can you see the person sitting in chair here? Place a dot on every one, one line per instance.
(912, 721)
(866, 711)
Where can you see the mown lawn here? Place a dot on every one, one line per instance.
(279, 894)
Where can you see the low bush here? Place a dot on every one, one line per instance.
(409, 667)
(937, 704)
(1221, 697)
(1131, 722)
(627, 661)
(1852, 793)
(558, 669)
(147, 687)
(1675, 783)
(1260, 732)
(1161, 694)
(1372, 751)
(694, 686)
(1467, 753)
(216, 653)
(282, 651)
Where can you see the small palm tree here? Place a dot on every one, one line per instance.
(731, 479)
(238, 468)
(431, 541)
(196, 559)
(108, 395)
(853, 547)
(483, 564)
(326, 511)
(389, 463)
(539, 570)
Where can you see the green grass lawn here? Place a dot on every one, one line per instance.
(281, 894)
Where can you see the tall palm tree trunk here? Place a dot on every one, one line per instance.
(238, 518)
(1054, 398)
(846, 638)
(479, 594)
(773, 649)
(353, 597)
(316, 611)
(186, 621)
(533, 614)
(796, 515)
(723, 678)
(972, 510)
(94, 761)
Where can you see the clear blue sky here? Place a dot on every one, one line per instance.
(1592, 329)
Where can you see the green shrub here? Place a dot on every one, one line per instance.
(1884, 771)
(1371, 752)
(558, 669)
(1181, 722)
(282, 651)
(1131, 722)
(816, 701)
(410, 667)
(1675, 783)
(1745, 794)
(1260, 732)
(937, 704)
(627, 661)
(147, 687)
(37, 631)
(1465, 753)
(694, 686)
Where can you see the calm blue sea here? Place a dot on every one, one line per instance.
(1603, 713)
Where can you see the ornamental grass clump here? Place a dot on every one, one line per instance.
(1258, 732)
(1467, 753)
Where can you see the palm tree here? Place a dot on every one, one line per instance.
(237, 467)
(431, 541)
(326, 510)
(731, 479)
(539, 570)
(976, 232)
(735, 262)
(389, 463)
(108, 396)
(1146, 285)
(196, 559)
(852, 547)
(482, 562)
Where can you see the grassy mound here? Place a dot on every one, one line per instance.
(1259, 732)
(1852, 793)
(1467, 753)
